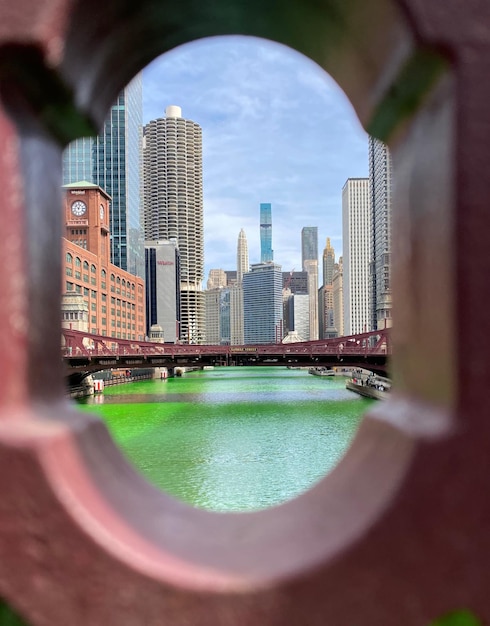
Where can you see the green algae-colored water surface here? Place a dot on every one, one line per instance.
(233, 439)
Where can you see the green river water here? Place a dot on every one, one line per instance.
(233, 439)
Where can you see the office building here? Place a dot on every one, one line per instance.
(236, 290)
(296, 282)
(112, 160)
(356, 228)
(98, 297)
(309, 244)
(231, 277)
(173, 207)
(328, 263)
(236, 315)
(216, 278)
(297, 316)
(326, 326)
(311, 267)
(338, 297)
(218, 328)
(309, 259)
(266, 252)
(380, 175)
(262, 304)
(242, 264)
(162, 288)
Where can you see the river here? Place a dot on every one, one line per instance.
(233, 439)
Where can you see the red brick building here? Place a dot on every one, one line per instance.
(115, 298)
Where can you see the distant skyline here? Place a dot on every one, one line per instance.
(276, 128)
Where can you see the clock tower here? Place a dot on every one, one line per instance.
(86, 208)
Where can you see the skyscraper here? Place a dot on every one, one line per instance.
(297, 315)
(309, 244)
(236, 291)
(173, 206)
(356, 230)
(162, 271)
(262, 304)
(325, 295)
(311, 267)
(218, 315)
(216, 278)
(338, 298)
(309, 258)
(266, 252)
(380, 170)
(328, 263)
(112, 161)
(242, 265)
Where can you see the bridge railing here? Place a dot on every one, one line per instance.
(77, 343)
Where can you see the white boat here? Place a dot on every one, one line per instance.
(321, 371)
(370, 386)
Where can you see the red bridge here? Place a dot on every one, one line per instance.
(89, 353)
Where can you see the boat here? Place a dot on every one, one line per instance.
(370, 386)
(321, 371)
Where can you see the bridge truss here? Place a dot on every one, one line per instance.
(89, 353)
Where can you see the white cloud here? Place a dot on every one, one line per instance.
(275, 129)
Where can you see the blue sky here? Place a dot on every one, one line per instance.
(276, 128)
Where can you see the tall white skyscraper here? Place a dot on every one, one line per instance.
(380, 180)
(236, 292)
(242, 265)
(356, 230)
(173, 207)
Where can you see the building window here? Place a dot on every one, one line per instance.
(69, 271)
(69, 286)
(85, 266)
(94, 320)
(86, 292)
(104, 321)
(78, 275)
(93, 269)
(85, 278)
(78, 262)
(69, 258)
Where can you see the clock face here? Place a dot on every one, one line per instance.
(101, 210)
(78, 208)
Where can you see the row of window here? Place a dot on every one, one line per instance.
(93, 269)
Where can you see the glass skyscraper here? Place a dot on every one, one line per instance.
(262, 304)
(309, 244)
(266, 252)
(112, 160)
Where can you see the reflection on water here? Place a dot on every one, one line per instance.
(233, 438)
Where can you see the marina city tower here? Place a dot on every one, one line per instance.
(173, 207)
